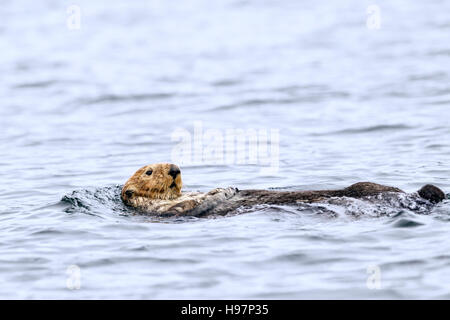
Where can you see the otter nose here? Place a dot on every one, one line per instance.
(129, 193)
(174, 171)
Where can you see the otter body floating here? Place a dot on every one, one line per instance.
(156, 189)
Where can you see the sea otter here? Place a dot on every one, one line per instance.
(156, 189)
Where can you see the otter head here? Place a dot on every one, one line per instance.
(154, 181)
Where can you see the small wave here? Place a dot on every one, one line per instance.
(47, 231)
(37, 84)
(254, 102)
(281, 101)
(226, 83)
(371, 129)
(406, 223)
(95, 201)
(112, 98)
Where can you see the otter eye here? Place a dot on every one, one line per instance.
(149, 172)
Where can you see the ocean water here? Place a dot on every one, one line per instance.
(353, 92)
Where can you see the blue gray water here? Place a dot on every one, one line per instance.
(82, 109)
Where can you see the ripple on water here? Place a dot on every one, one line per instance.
(406, 223)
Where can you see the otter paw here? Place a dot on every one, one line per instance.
(432, 193)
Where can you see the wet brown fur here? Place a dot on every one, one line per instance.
(358, 190)
(147, 192)
(154, 186)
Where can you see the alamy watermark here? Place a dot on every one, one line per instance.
(73, 21)
(374, 280)
(73, 281)
(225, 147)
(373, 21)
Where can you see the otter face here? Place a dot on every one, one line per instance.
(154, 181)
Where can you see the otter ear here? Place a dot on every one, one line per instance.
(432, 193)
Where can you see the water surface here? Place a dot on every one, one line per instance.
(81, 110)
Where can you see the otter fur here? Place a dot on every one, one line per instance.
(156, 189)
